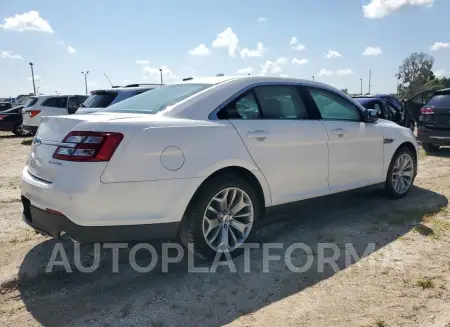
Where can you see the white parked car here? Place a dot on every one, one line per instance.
(48, 105)
(204, 159)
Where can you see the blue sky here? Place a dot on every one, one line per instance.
(131, 40)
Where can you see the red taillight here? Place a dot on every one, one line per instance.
(3, 116)
(88, 146)
(427, 111)
(33, 113)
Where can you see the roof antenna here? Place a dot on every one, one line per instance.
(108, 80)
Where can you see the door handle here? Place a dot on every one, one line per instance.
(258, 134)
(338, 132)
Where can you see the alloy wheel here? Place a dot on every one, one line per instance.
(403, 173)
(228, 219)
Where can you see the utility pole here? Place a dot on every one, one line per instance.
(370, 79)
(361, 86)
(85, 80)
(160, 71)
(32, 77)
(313, 78)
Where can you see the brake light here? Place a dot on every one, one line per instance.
(427, 111)
(3, 116)
(33, 113)
(88, 146)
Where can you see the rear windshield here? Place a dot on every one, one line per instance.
(440, 101)
(157, 99)
(99, 99)
(30, 102)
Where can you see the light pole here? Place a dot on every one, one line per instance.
(361, 86)
(85, 80)
(313, 78)
(32, 77)
(160, 72)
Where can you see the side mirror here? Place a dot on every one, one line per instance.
(371, 115)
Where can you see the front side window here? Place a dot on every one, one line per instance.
(158, 99)
(57, 102)
(334, 107)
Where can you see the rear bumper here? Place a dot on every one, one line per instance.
(433, 136)
(31, 129)
(51, 224)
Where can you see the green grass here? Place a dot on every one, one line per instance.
(425, 283)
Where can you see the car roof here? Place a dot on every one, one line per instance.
(125, 88)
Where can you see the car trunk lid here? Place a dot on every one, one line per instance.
(52, 132)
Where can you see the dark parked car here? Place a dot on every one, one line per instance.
(413, 105)
(5, 106)
(433, 128)
(385, 108)
(11, 121)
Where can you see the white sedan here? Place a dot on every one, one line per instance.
(203, 159)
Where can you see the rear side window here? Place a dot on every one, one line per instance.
(281, 102)
(100, 99)
(57, 102)
(440, 101)
(80, 99)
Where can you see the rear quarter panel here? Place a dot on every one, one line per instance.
(205, 147)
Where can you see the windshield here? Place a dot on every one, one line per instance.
(157, 99)
(99, 99)
(440, 101)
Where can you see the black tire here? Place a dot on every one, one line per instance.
(389, 185)
(191, 230)
(430, 148)
(18, 130)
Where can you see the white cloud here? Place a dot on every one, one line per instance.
(200, 50)
(258, 52)
(299, 47)
(262, 19)
(153, 74)
(245, 71)
(142, 62)
(7, 55)
(441, 73)
(332, 54)
(325, 72)
(60, 42)
(299, 61)
(227, 39)
(71, 50)
(382, 8)
(344, 72)
(273, 67)
(372, 51)
(294, 41)
(36, 78)
(439, 46)
(29, 21)
(127, 81)
(284, 75)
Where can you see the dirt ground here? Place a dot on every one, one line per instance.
(404, 281)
